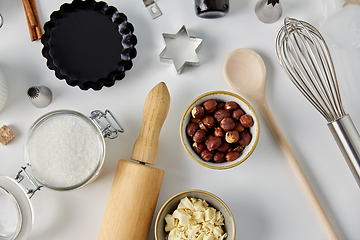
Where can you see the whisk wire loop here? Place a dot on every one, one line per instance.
(305, 57)
(310, 58)
(300, 75)
(328, 78)
(293, 53)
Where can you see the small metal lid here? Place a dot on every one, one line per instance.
(16, 213)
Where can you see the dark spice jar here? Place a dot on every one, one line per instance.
(211, 8)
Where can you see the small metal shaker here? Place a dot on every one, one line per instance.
(40, 96)
(268, 11)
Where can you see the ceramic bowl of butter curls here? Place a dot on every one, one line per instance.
(194, 214)
(219, 130)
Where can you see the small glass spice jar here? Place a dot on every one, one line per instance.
(211, 8)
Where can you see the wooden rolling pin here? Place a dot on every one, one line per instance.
(136, 186)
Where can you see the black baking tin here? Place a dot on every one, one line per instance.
(92, 37)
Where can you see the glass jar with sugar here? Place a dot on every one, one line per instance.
(64, 150)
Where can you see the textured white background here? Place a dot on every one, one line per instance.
(262, 193)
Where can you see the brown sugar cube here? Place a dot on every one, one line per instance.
(6, 135)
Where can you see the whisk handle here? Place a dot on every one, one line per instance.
(296, 167)
(348, 140)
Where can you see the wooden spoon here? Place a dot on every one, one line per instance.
(245, 72)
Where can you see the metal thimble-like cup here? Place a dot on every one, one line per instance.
(40, 96)
(268, 11)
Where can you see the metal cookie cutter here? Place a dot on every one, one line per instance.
(180, 68)
(153, 8)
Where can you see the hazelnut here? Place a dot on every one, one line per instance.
(239, 148)
(238, 127)
(208, 121)
(195, 120)
(224, 147)
(220, 105)
(219, 132)
(210, 105)
(207, 155)
(237, 113)
(231, 156)
(231, 105)
(244, 138)
(213, 143)
(202, 126)
(221, 114)
(198, 112)
(227, 124)
(198, 147)
(219, 157)
(232, 136)
(246, 120)
(199, 136)
(209, 136)
(191, 128)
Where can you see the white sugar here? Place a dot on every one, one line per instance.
(64, 150)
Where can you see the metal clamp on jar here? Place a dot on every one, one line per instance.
(64, 150)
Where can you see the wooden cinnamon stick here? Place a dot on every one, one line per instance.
(32, 18)
(38, 27)
(33, 36)
(29, 13)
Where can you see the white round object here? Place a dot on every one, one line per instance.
(10, 215)
(4, 89)
(22, 212)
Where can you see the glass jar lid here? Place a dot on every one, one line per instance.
(16, 214)
(10, 216)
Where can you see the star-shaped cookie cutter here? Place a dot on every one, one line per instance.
(180, 68)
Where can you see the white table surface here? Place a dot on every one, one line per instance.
(264, 196)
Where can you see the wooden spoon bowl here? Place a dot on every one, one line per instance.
(245, 72)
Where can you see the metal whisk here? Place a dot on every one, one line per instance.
(305, 57)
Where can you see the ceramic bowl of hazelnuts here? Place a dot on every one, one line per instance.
(219, 130)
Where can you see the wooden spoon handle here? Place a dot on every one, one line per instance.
(295, 166)
(156, 108)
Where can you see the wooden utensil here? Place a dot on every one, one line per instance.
(245, 72)
(136, 186)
